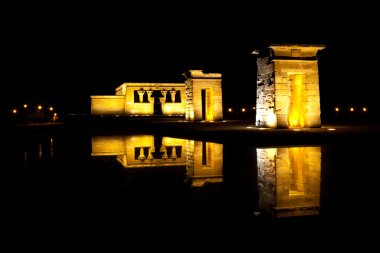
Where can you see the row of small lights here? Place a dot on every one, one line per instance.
(242, 109)
(352, 109)
(337, 109)
(39, 107)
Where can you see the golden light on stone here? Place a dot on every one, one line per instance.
(289, 180)
(201, 93)
(352, 109)
(203, 160)
(296, 111)
(39, 107)
(271, 119)
(288, 87)
(25, 106)
(209, 104)
(14, 111)
(364, 109)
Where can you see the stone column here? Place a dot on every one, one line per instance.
(164, 92)
(142, 155)
(172, 94)
(174, 153)
(149, 92)
(141, 95)
(151, 100)
(150, 156)
(163, 150)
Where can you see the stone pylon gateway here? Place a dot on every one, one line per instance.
(288, 86)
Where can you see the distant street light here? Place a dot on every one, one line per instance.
(39, 107)
(364, 109)
(25, 106)
(51, 108)
(14, 111)
(352, 109)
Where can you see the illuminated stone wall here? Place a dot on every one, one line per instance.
(203, 160)
(148, 94)
(289, 180)
(107, 105)
(288, 87)
(211, 84)
(265, 110)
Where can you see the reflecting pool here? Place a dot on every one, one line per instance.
(83, 181)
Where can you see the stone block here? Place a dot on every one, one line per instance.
(282, 98)
(311, 92)
(313, 98)
(282, 85)
(282, 92)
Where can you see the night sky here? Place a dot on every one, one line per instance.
(63, 54)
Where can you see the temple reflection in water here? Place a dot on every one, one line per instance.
(203, 160)
(289, 180)
(288, 177)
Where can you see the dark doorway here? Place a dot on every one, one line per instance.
(203, 104)
(157, 103)
(204, 153)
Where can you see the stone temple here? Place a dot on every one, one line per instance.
(198, 98)
(288, 86)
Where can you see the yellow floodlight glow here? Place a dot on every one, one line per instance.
(296, 114)
(271, 120)
(39, 107)
(14, 111)
(243, 109)
(230, 109)
(209, 104)
(51, 108)
(352, 109)
(337, 109)
(25, 106)
(364, 109)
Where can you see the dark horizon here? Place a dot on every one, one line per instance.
(62, 60)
